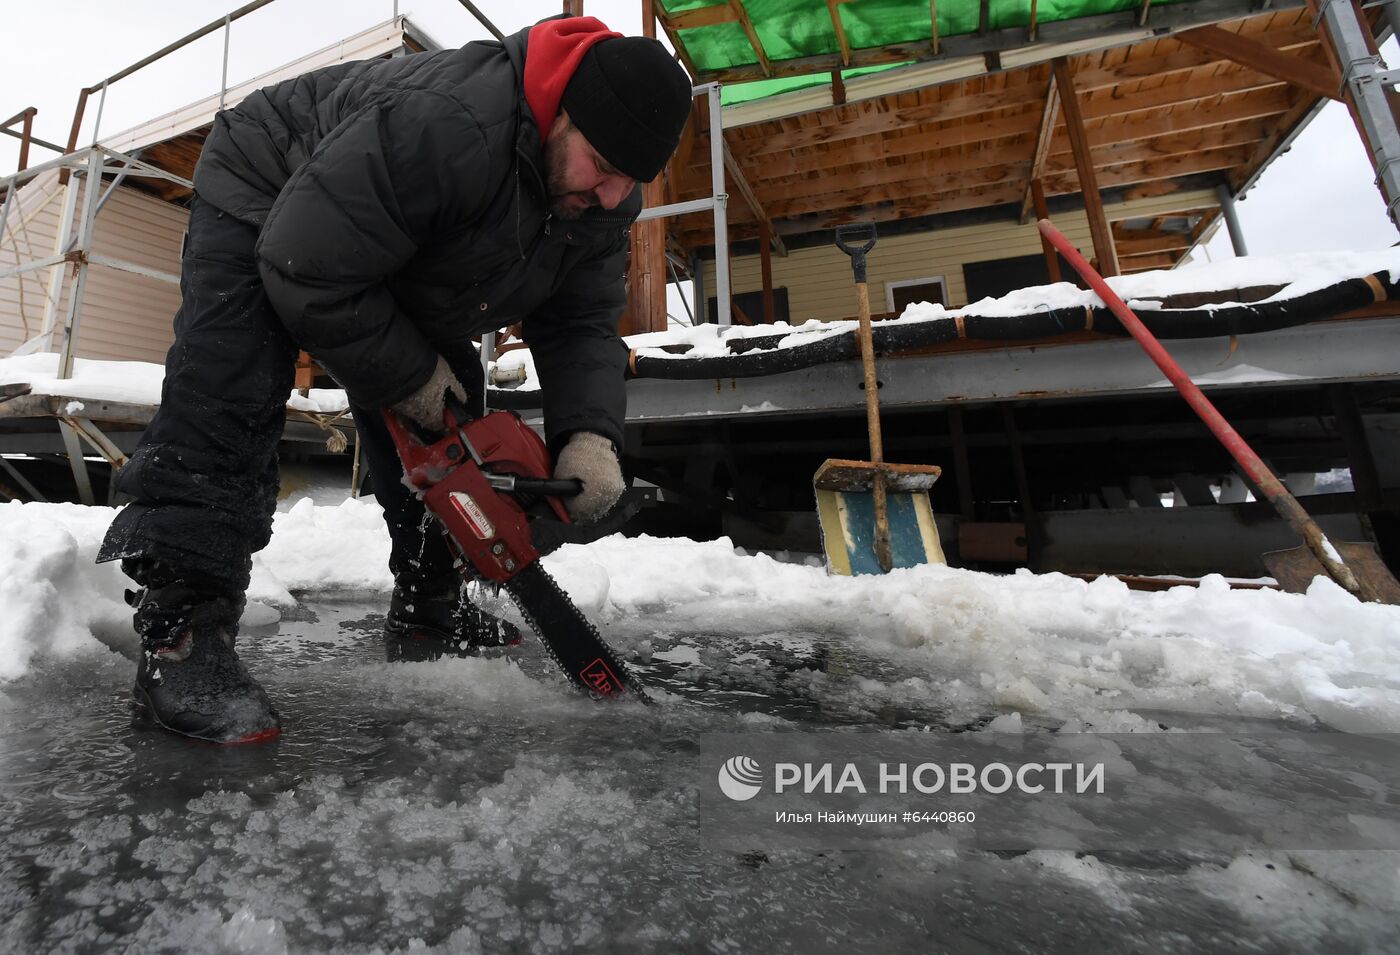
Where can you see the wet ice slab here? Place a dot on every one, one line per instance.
(479, 805)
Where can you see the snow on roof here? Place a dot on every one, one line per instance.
(133, 382)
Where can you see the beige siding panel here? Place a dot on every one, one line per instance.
(820, 284)
(128, 316)
(31, 226)
(125, 316)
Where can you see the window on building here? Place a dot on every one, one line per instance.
(997, 277)
(751, 303)
(903, 293)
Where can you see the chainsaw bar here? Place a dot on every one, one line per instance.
(571, 640)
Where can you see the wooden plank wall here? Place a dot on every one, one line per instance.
(125, 316)
(820, 285)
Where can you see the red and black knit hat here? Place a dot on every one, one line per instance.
(630, 100)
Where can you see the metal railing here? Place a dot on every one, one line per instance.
(717, 202)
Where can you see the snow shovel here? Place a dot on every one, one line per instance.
(1356, 567)
(874, 516)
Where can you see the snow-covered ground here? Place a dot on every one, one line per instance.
(477, 804)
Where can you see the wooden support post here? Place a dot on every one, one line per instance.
(961, 470)
(1023, 486)
(765, 260)
(573, 8)
(1044, 137)
(305, 374)
(1369, 489)
(741, 183)
(646, 291)
(1052, 258)
(1084, 165)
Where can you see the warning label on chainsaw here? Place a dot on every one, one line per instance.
(471, 512)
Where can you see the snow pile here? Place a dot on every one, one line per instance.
(53, 599)
(1048, 644)
(1039, 643)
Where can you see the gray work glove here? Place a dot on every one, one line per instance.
(591, 459)
(425, 406)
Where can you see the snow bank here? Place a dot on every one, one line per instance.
(53, 599)
(1087, 654)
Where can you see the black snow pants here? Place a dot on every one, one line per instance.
(204, 479)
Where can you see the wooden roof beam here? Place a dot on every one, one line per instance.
(1153, 170)
(672, 25)
(1044, 136)
(1084, 164)
(743, 17)
(1176, 242)
(851, 122)
(833, 8)
(1115, 135)
(1262, 58)
(700, 17)
(1149, 262)
(741, 182)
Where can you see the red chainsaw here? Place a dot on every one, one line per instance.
(488, 482)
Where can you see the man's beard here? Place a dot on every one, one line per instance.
(563, 203)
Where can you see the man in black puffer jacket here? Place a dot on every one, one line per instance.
(379, 215)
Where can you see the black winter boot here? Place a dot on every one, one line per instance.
(190, 680)
(429, 619)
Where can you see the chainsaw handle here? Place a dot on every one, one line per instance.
(455, 413)
(854, 232)
(550, 487)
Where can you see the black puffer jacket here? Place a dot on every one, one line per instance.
(403, 210)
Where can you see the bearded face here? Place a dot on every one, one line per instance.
(576, 176)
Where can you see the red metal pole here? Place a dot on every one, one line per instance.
(1269, 485)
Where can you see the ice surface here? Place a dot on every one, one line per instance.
(478, 805)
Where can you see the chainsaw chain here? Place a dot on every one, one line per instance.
(521, 588)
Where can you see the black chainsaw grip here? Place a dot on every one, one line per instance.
(549, 487)
(454, 413)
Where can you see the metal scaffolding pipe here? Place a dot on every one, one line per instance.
(1362, 77)
(722, 303)
(1232, 220)
(480, 18)
(188, 38)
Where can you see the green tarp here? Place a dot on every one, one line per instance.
(793, 29)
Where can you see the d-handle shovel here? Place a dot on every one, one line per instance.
(845, 235)
(1359, 573)
(875, 516)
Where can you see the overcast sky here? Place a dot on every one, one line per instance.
(1319, 196)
